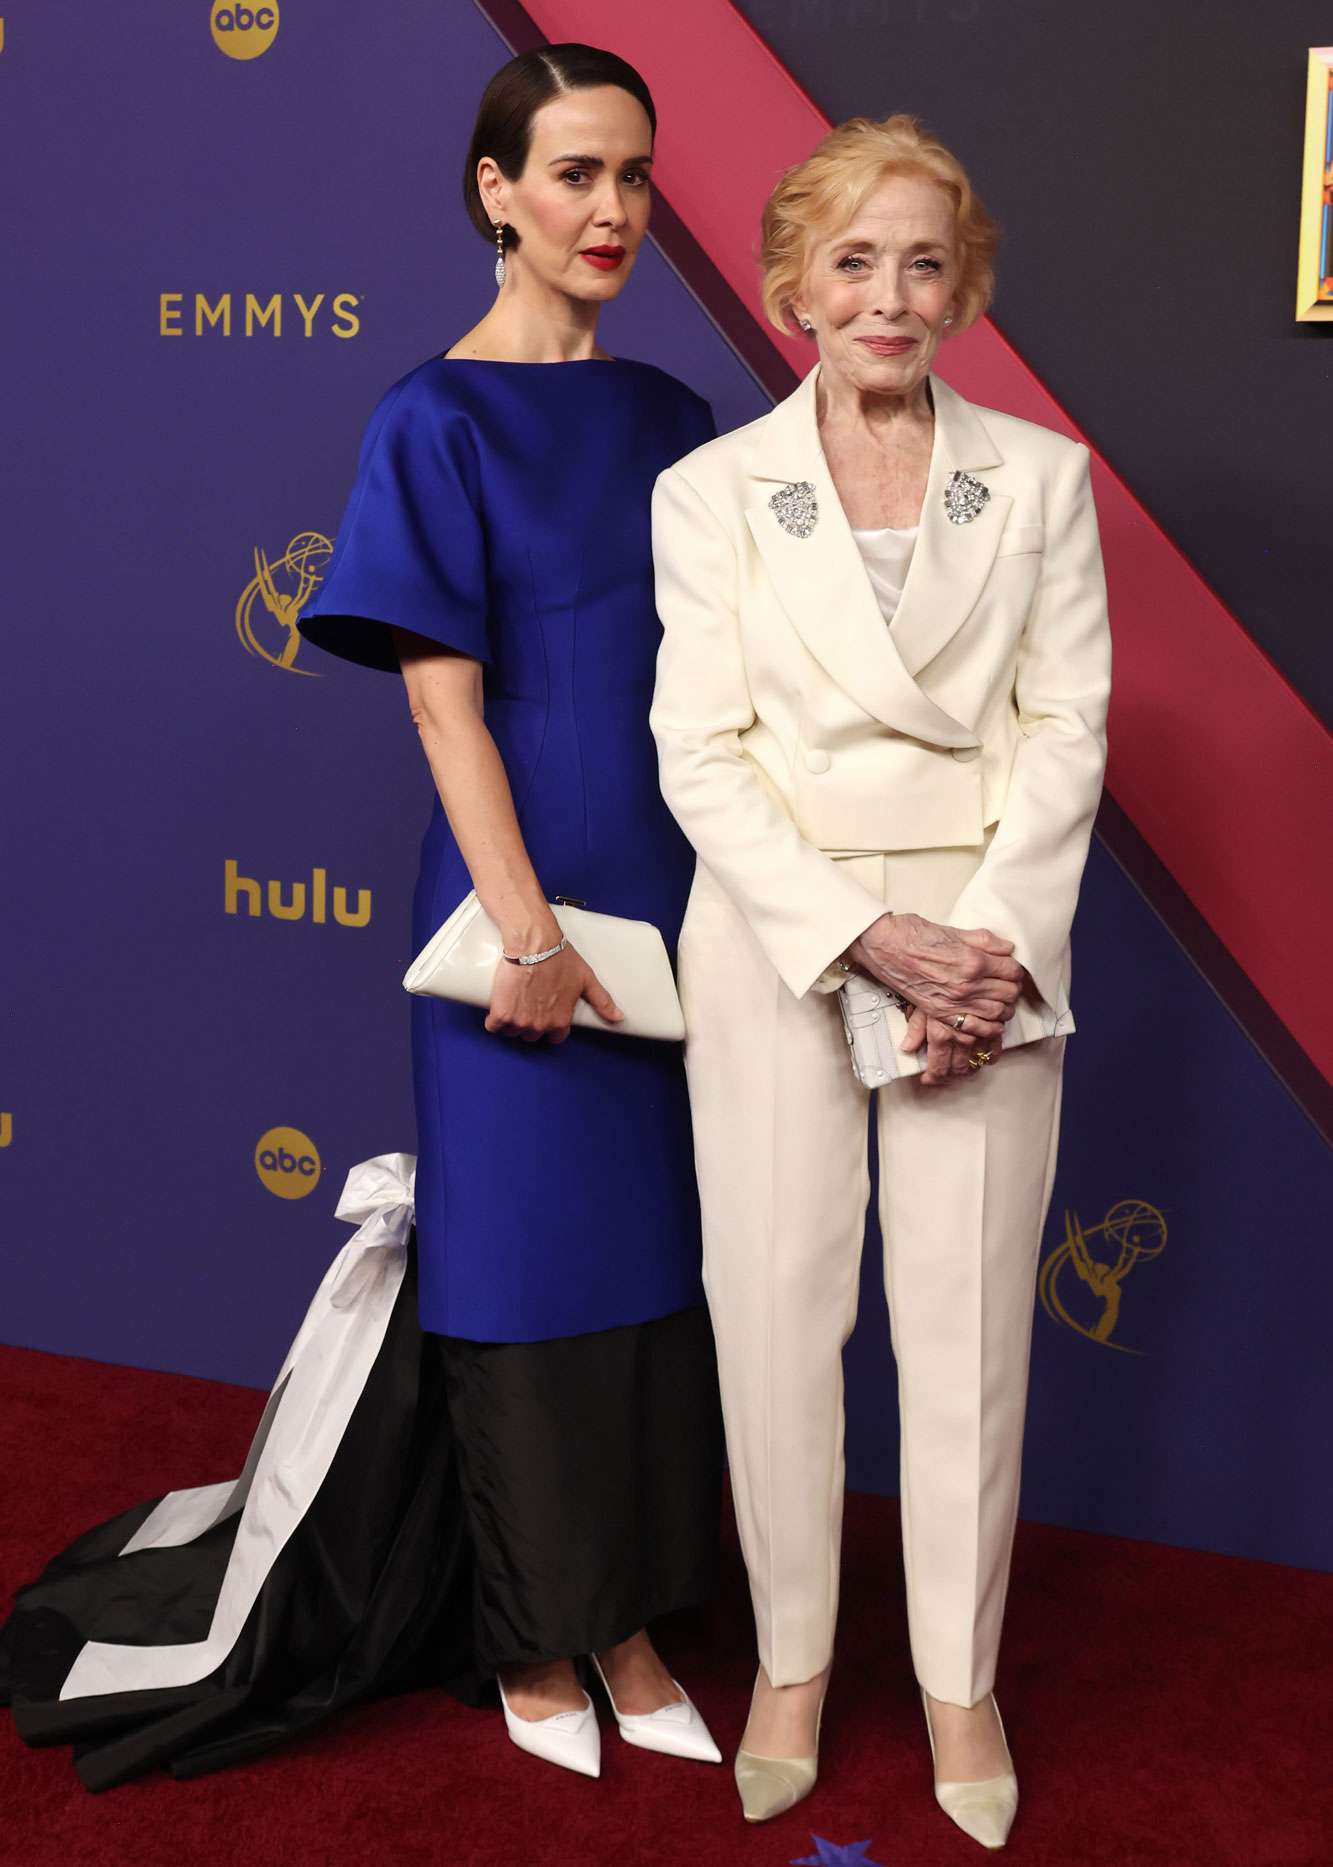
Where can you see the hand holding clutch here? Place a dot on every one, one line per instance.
(533, 995)
(629, 957)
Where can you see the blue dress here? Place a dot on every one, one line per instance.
(502, 509)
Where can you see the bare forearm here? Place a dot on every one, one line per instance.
(473, 785)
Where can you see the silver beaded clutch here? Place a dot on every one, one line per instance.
(874, 1017)
(866, 1008)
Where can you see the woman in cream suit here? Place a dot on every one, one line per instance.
(880, 716)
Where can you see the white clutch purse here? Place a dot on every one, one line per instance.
(629, 957)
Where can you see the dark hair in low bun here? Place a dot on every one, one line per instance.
(514, 96)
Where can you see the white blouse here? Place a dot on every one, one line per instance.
(887, 553)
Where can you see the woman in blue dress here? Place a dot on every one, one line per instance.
(530, 1469)
(496, 548)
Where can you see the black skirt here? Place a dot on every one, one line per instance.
(591, 1472)
(414, 1511)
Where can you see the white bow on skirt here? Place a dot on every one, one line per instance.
(308, 1409)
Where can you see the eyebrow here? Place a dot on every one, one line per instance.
(865, 239)
(598, 162)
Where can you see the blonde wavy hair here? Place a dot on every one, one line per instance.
(828, 190)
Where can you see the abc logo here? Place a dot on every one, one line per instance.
(287, 1161)
(244, 31)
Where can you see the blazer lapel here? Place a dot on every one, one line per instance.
(821, 579)
(950, 563)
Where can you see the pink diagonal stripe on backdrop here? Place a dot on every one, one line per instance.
(1219, 763)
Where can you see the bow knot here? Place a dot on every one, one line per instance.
(378, 1196)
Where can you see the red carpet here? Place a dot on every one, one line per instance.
(1162, 1706)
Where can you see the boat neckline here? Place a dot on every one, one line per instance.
(517, 363)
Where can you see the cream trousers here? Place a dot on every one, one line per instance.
(965, 1174)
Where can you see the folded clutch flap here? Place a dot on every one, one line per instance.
(448, 954)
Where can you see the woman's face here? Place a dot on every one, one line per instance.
(580, 207)
(878, 291)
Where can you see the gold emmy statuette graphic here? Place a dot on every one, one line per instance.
(287, 1162)
(243, 31)
(1133, 1232)
(301, 561)
(6, 1129)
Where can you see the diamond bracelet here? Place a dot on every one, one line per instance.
(535, 959)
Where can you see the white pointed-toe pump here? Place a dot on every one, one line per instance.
(573, 1739)
(676, 1730)
(983, 1810)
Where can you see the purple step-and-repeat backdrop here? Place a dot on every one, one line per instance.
(217, 263)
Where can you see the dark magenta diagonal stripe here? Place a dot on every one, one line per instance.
(1215, 759)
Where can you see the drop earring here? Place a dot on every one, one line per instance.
(499, 254)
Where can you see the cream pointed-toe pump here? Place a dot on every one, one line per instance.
(770, 1786)
(983, 1810)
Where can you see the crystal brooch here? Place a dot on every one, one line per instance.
(964, 497)
(796, 507)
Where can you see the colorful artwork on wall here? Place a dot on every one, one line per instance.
(1314, 281)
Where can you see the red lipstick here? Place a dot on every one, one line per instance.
(605, 258)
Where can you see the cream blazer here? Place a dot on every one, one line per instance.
(792, 723)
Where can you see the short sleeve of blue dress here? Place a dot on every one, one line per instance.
(503, 510)
(410, 551)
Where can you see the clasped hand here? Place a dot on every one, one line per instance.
(946, 973)
(536, 1003)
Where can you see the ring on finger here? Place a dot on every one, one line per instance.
(960, 1022)
(979, 1058)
